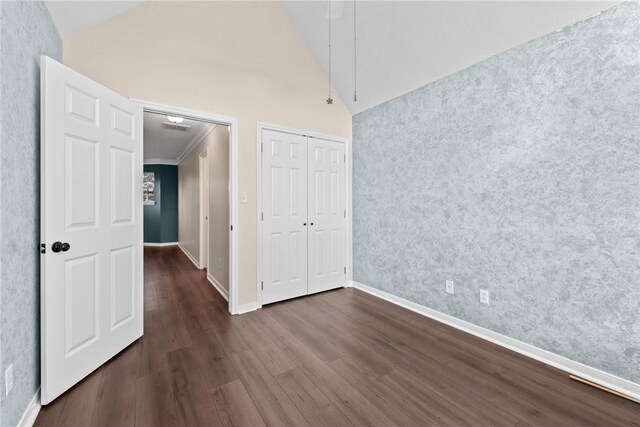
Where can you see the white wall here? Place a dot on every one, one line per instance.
(189, 200)
(218, 155)
(241, 59)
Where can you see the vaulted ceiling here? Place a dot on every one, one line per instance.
(402, 45)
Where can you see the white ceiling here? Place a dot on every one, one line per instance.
(71, 17)
(403, 45)
(170, 146)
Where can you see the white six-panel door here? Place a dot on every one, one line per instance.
(284, 204)
(91, 205)
(303, 217)
(327, 216)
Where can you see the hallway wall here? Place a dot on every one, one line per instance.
(161, 219)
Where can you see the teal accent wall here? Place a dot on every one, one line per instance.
(161, 219)
(26, 32)
(519, 175)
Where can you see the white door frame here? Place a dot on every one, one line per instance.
(348, 240)
(152, 107)
(203, 172)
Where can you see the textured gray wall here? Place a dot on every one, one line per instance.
(520, 175)
(27, 32)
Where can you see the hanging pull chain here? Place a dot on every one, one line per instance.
(355, 54)
(329, 99)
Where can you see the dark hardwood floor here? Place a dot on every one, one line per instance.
(338, 358)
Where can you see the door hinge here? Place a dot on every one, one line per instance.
(345, 213)
(232, 228)
(262, 286)
(262, 215)
(345, 158)
(345, 270)
(43, 248)
(262, 147)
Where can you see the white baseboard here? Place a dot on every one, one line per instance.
(246, 308)
(191, 257)
(160, 245)
(597, 376)
(31, 413)
(218, 286)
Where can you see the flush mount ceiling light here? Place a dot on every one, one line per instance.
(174, 119)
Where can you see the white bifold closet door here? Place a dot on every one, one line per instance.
(303, 218)
(327, 216)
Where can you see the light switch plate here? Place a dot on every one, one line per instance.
(243, 197)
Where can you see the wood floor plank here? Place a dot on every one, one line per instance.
(312, 403)
(397, 408)
(236, 407)
(155, 405)
(191, 393)
(337, 358)
(274, 405)
(116, 399)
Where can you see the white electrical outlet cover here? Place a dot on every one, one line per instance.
(8, 379)
(449, 287)
(484, 296)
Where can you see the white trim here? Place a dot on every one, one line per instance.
(218, 286)
(348, 206)
(197, 139)
(203, 165)
(233, 177)
(159, 245)
(191, 257)
(31, 412)
(597, 376)
(172, 162)
(246, 308)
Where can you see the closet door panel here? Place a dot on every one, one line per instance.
(327, 222)
(284, 233)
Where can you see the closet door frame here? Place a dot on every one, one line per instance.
(348, 183)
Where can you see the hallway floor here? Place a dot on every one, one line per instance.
(338, 358)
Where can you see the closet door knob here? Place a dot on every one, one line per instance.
(311, 224)
(305, 224)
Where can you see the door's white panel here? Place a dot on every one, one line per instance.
(122, 187)
(122, 285)
(81, 105)
(318, 192)
(81, 182)
(276, 196)
(334, 193)
(276, 259)
(81, 300)
(334, 250)
(122, 122)
(293, 263)
(295, 198)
